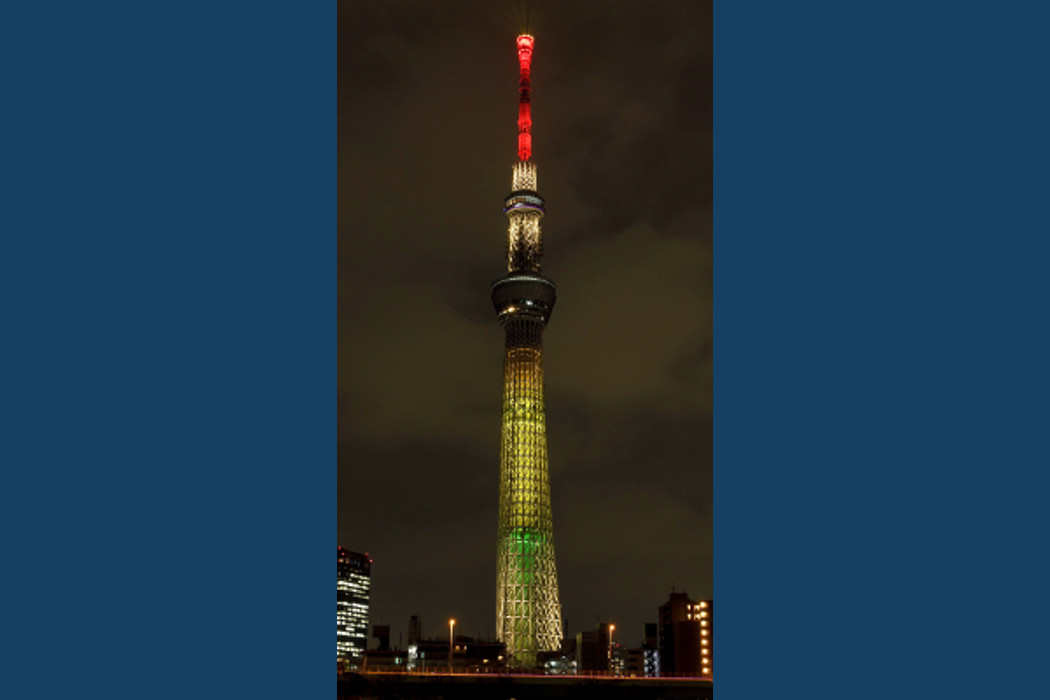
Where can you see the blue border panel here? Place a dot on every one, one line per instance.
(882, 349)
(168, 271)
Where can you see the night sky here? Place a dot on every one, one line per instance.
(621, 105)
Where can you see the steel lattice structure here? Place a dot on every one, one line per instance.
(528, 611)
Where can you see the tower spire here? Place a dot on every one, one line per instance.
(528, 609)
(524, 206)
(525, 42)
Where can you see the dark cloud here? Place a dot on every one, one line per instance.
(622, 107)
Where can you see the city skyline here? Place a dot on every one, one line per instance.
(426, 132)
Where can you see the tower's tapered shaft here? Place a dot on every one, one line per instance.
(528, 611)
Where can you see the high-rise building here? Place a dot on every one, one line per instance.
(686, 636)
(651, 635)
(592, 650)
(353, 584)
(528, 611)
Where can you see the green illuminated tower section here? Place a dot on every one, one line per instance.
(528, 611)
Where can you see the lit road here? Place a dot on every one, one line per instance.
(492, 686)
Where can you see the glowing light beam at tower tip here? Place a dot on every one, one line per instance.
(525, 43)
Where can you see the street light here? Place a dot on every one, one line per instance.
(451, 624)
(611, 628)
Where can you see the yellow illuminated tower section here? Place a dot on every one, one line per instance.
(528, 611)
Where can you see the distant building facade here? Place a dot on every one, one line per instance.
(468, 656)
(386, 660)
(593, 651)
(415, 629)
(353, 588)
(591, 656)
(382, 635)
(635, 662)
(644, 661)
(383, 658)
(652, 649)
(686, 636)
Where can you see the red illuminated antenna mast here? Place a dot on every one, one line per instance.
(525, 42)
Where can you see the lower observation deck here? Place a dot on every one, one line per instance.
(527, 295)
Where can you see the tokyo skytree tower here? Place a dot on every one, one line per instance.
(528, 611)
